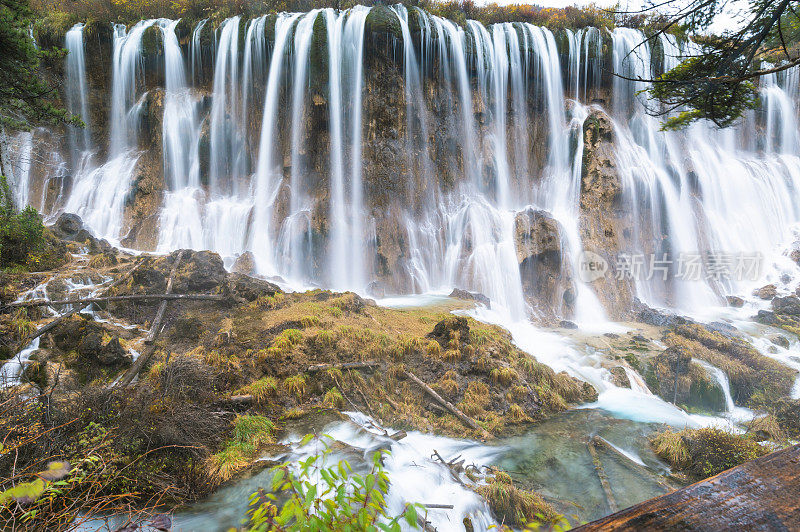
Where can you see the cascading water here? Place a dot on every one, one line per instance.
(238, 173)
(77, 92)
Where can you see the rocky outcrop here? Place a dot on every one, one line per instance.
(543, 265)
(604, 221)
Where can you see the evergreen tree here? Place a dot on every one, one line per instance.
(721, 82)
(25, 97)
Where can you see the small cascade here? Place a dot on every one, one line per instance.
(637, 382)
(17, 154)
(267, 176)
(98, 193)
(11, 370)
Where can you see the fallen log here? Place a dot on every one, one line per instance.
(599, 441)
(140, 362)
(468, 421)
(601, 474)
(763, 494)
(316, 368)
(131, 297)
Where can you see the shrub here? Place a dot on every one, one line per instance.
(433, 348)
(295, 385)
(326, 498)
(515, 506)
(23, 242)
(504, 376)
(333, 398)
(260, 389)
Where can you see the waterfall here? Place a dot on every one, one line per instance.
(492, 122)
(180, 128)
(267, 177)
(226, 136)
(346, 249)
(98, 193)
(76, 90)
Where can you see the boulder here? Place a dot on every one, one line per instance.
(786, 305)
(200, 271)
(766, 292)
(67, 225)
(780, 340)
(458, 293)
(735, 301)
(250, 288)
(245, 264)
(542, 265)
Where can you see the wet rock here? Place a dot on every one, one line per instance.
(382, 19)
(67, 225)
(245, 264)
(471, 296)
(795, 256)
(566, 324)
(250, 288)
(766, 292)
(376, 289)
(545, 279)
(113, 353)
(620, 377)
(725, 329)
(659, 318)
(735, 301)
(786, 305)
(767, 317)
(780, 340)
(605, 220)
(199, 271)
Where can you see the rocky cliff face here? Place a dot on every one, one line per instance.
(605, 223)
(414, 166)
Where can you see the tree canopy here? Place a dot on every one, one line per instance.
(25, 97)
(719, 80)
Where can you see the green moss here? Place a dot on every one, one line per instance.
(152, 42)
(705, 452)
(514, 506)
(382, 19)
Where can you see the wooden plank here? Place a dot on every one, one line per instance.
(763, 494)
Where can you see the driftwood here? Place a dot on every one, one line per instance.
(242, 399)
(52, 324)
(140, 362)
(316, 368)
(601, 474)
(132, 297)
(468, 421)
(763, 494)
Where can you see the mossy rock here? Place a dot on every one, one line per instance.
(318, 73)
(152, 42)
(269, 29)
(207, 35)
(184, 29)
(787, 414)
(704, 392)
(382, 19)
(702, 453)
